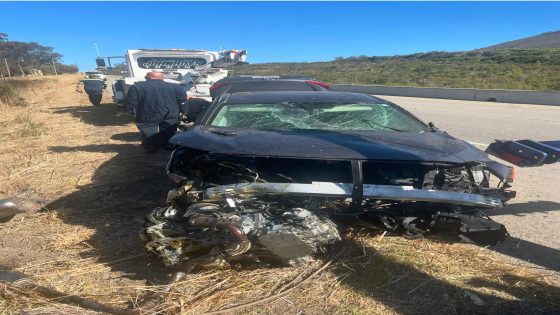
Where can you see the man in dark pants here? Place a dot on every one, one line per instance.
(157, 106)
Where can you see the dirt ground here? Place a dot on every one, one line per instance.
(87, 167)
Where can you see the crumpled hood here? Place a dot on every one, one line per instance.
(334, 145)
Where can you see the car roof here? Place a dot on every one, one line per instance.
(298, 96)
(270, 85)
(262, 78)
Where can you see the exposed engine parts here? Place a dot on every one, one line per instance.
(208, 225)
(210, 235)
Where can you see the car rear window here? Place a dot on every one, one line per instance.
(313, 115)
(269, 86)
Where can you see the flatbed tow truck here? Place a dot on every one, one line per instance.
(196, 70)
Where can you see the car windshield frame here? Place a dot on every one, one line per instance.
(415, 125)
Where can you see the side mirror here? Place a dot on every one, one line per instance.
(433, 127)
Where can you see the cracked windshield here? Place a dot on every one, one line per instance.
(323, 116)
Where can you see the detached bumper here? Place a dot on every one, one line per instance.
(345, 190)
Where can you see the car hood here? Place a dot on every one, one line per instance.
(336, 145)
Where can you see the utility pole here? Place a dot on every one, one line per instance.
(54, 67)
(7, 67)
(96, 48)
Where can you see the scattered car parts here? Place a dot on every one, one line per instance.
(526, 153)
(8, 209)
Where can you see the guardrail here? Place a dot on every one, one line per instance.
(502, 96)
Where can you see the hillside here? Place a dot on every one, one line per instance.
(544, 40)
(526, 69)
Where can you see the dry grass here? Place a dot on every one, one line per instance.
(98, 184)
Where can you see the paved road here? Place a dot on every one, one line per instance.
(533, 218)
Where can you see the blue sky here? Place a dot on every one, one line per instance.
(274, 31)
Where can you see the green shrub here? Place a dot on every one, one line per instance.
(525, 69)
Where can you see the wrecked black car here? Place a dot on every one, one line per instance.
(268, 175)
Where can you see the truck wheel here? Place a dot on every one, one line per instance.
(95, 99)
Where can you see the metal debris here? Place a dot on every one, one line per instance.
(222, 232)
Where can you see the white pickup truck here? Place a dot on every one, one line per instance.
(197, 70)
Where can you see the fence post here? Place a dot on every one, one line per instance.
(20, 69)
(7, 68)
(54, 66)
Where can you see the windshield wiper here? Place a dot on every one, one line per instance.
(223, 132)
(369, 122)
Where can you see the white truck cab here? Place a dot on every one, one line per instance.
(196, 70)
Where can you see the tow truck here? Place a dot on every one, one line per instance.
(196, 70)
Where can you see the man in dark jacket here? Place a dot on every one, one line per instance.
(157, 106)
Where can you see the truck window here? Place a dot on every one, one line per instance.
(170, 62)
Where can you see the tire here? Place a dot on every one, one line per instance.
(95, 99)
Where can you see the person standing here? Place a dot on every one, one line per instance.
(157, 106)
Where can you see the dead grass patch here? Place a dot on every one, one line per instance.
(394, 276)
(29, 127)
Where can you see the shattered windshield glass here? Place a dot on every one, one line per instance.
(324, 116)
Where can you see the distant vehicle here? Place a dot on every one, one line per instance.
(95, 74)
(94, 84)
(236, 84)
(196, 70)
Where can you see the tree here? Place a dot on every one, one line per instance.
(117, 68)
(28, 55)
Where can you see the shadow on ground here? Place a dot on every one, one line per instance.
(106, 114)
(522, 208)
(528, 251)
(534, 253)
(408, 290)
(123, 191)
(126, 137)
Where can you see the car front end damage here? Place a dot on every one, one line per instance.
(277, 209)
